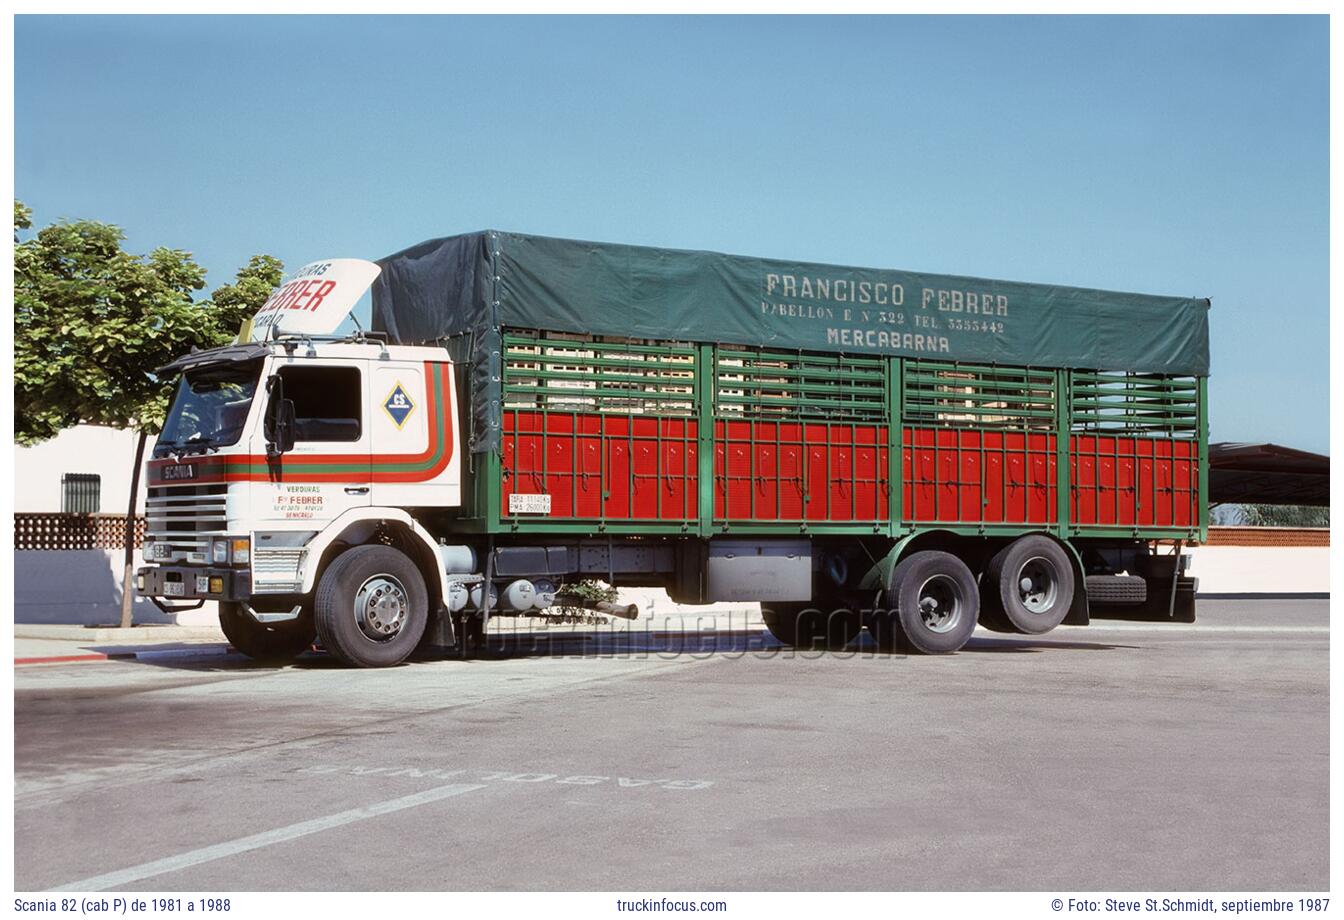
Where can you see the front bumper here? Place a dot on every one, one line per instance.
(194, 582)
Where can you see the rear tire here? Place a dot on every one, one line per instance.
(275, 642)
(809, 626)
(1033, 580)
(931, 608)
(992, 616)
(371, 607)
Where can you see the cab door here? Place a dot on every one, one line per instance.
(327, 473)
(411, 419)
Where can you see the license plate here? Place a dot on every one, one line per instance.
(202, 584)
(173, 589)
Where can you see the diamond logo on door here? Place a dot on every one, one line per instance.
(398, 405)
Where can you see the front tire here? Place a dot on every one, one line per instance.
(274, 642)
(936, 603)
(371, 607)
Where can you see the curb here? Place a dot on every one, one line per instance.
(115, 634)
(141, 655)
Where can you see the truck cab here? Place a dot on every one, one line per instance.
(280, 451)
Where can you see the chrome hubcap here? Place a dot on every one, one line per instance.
(1037, 586)
(380, 607)
(940, 605)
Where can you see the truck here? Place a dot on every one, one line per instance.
(901, 453)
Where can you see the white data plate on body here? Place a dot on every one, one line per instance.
(529, 503)
(316, 299)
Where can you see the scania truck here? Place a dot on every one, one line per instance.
(857, 449)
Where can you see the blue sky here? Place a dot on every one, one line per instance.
(1169, 155)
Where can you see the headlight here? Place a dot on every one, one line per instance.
(219, 552)
(241, 550)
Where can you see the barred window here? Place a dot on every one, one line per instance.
(81, 493)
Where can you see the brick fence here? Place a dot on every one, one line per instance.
(1268, 536)
(74, 531)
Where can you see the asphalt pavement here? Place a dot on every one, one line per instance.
(1111, 757)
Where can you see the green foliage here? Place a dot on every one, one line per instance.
(93, 323)
(590, 590)
(1285, 516)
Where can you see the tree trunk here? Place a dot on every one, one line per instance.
(128, 581)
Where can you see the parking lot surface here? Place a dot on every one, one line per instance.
(1114, 756)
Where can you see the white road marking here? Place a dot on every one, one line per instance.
(265, 839)
(1156, 629)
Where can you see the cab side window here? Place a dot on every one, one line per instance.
(327, 402)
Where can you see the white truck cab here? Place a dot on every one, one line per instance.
(293, 442)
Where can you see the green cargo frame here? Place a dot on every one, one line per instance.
(709, 382)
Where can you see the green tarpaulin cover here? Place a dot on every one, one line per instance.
(467, 288)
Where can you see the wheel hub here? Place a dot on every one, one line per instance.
(940, 604)
(1037, 586)
(380, 607)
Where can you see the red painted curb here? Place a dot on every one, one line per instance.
(56, 659)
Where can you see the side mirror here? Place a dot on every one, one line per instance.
(279, 425)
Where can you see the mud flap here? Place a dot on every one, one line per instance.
(439, 630)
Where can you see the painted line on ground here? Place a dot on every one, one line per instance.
(265, 839)
(1158, 628)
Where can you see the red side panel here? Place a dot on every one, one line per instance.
(644, 468)
(597, 466)
(991, 477)
(796, 471)
(1135, 482)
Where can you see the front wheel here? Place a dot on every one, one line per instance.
(276, 642)
(371, 607)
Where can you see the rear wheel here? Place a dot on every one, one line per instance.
(266, 641)
(1033, 583)
(992, 616)
(372, 607)
(810, 626)
(931, 608)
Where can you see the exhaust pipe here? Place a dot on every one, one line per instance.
(624, 611)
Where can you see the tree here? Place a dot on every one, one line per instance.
(1285, 516)
(92, 324)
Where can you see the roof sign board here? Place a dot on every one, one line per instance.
(315, 300)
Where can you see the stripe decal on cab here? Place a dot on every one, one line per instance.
(419, 467)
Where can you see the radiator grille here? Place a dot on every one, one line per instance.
(186, 517)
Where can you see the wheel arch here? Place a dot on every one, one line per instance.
(364, 527)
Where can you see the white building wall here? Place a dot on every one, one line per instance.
(1261, 569)
(108, 452)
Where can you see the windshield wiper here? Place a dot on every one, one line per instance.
(199, 442)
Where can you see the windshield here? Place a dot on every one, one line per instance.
(209, 408)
